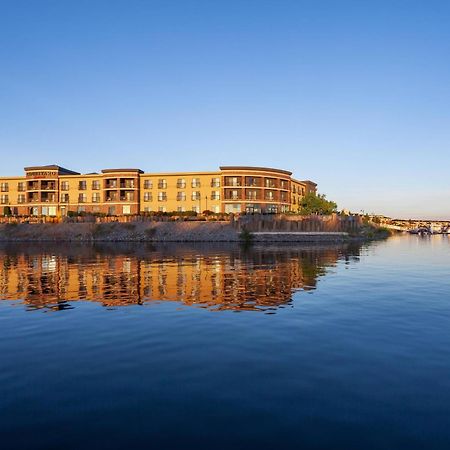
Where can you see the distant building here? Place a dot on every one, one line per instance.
(54, 191)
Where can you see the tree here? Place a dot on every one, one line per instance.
(316, 204)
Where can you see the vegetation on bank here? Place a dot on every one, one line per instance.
(370, 231)
(316, 204)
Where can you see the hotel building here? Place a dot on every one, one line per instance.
(54, 191)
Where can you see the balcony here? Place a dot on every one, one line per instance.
(111, 184)
(127, 198)
(270, 183)
(48, 186)
(231, 181)
(127, 185)
(253, 182)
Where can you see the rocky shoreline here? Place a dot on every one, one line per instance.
(189, 231)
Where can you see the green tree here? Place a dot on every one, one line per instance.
(316, 204)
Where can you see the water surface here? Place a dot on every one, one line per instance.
(114, 346)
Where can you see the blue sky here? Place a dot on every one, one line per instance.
(354, 95)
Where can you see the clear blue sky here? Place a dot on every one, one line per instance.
(354, 95)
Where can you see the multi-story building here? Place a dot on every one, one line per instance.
(54, 191)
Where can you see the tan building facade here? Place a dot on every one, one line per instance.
(54, 191)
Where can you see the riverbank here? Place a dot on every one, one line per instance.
(158, 232)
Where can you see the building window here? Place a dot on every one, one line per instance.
(96, 185)
(234, 208)
(81, 209)
(4, 187)
(82, 198)
(181, 183)
(270, 182)
(64, 185)
(82, 185)
(96, 197)
(148, 184)
(215, 182)
(195, 182)
(181, 196)
(196, 195)
(148, 197)
(283, 184)
(21, 198)
(270, 195)
(162, 183)
(294, 189)
(4, 199)
(126, 209)
(65, 198)
(147, 209)
(215, 195)
(162, 196)
(162, 209)
(21, 186)
(49, 210)
(181, 209)
(195, 209)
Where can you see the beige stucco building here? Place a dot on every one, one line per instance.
(54, 191)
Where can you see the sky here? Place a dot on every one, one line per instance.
(354, 95)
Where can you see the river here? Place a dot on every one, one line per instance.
(225, 347)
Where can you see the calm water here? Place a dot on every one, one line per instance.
(204, 347)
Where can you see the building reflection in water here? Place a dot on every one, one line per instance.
(215, 277)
